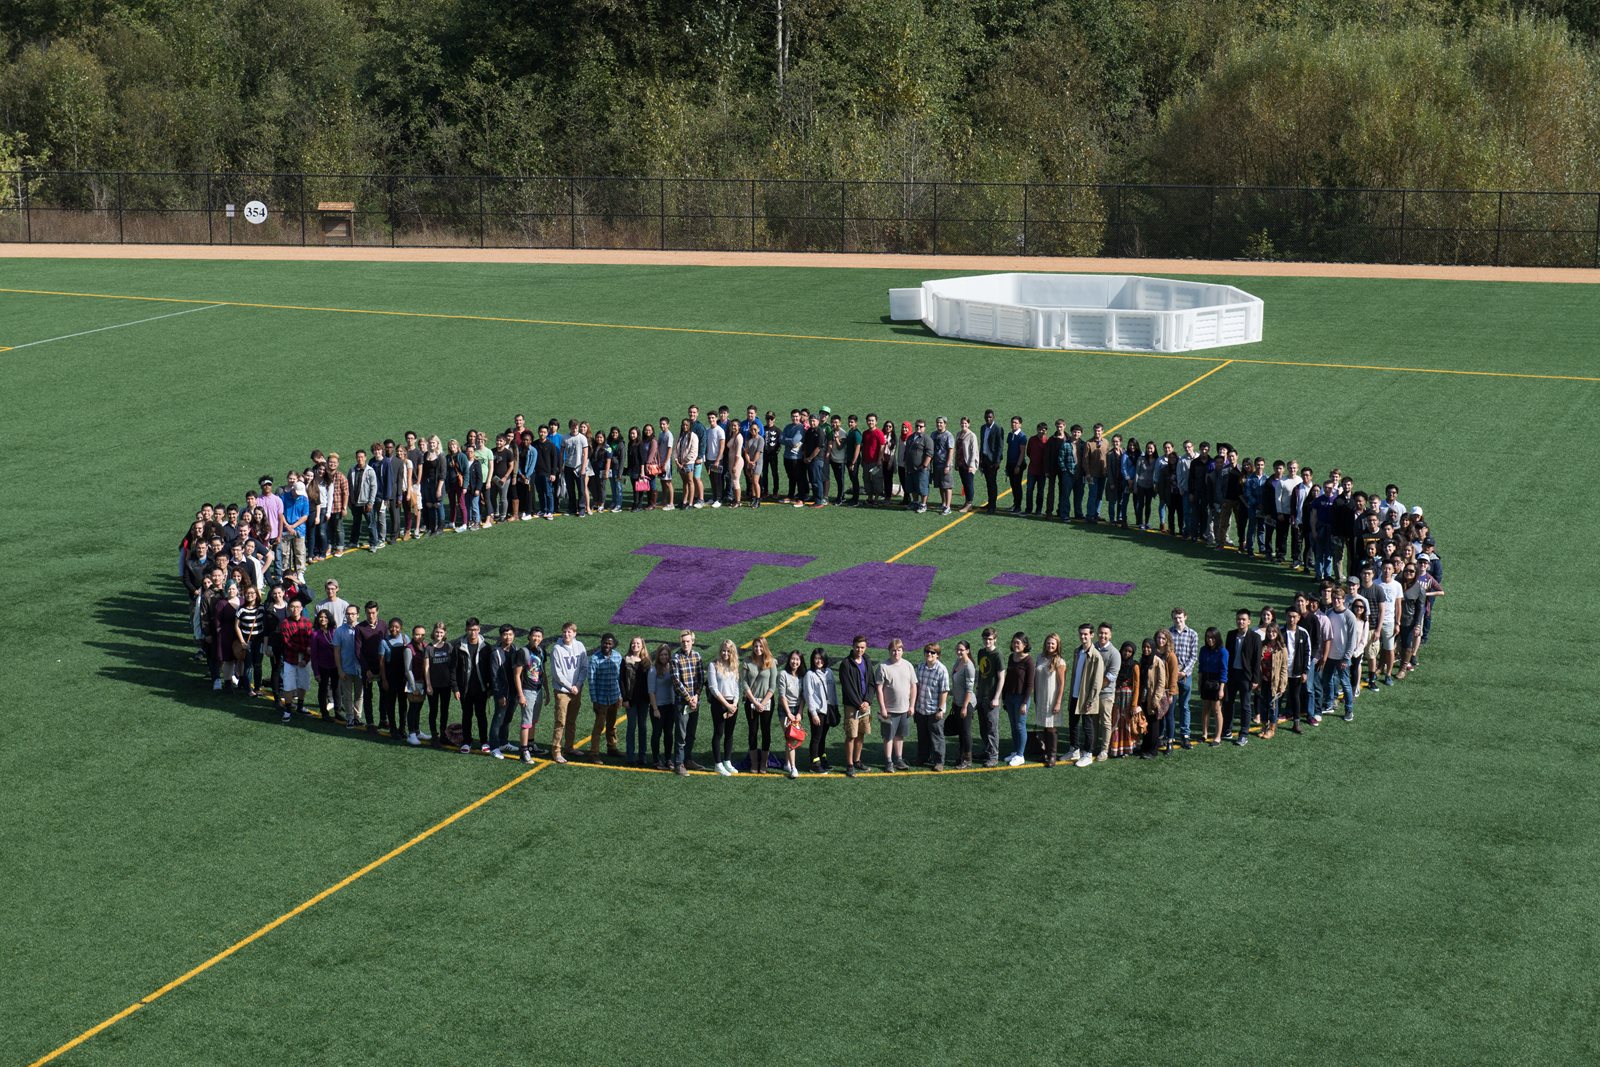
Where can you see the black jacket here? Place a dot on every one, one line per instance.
(1244, 655)
(466, 679)
(852, 693)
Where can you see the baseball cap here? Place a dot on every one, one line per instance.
(1417, 510)
(265, 479)
(1427, 542)
(824, 410)
(1352, 580)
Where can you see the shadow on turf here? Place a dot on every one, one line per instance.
(1222, 563)
(145, 633)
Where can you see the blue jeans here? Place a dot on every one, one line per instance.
(547, 494)
(819, 480)
(1255, 531)
(1064, 502)
(683, 733)
(1352, 684)
(1097, 488)
(614, 484)
(474, 509)
(1178, 715)
(316, 539)
(1017, 712)
(1328, 677)
(501, 723)
(638, 735)
(1077, 494)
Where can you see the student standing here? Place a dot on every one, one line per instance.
(897, 693)
(820, 697)
(1244, 676)
(527, 684)
(722, 701)
(605, 694)
(688, 682)
(759, 685)
(636, 695)
(963, 684)
(990, 670)
(1017, 691)
(932, 704)
(473, 681)
(1049, 687)
(1213, 666)
(856, 679)
(569, 672)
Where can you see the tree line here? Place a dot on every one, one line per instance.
(1333, 94)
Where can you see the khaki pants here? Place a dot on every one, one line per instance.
(291, 552)
(350, 693)
(605, 724)
(1104, 702)
(564, 734)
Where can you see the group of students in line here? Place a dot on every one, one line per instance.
(1377, 563)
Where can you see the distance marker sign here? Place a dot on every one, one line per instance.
(255, 212)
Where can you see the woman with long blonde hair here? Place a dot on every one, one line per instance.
(760, 686)
(1049, 684)
(722, 685)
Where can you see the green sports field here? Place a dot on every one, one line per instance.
(1419, 885)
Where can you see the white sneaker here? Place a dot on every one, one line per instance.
(716, 503)
(793, 773)
(1084, 760)
(722, 769)
(669, 507)
(425, 737)
(698, 504)
(497, 754)
(327, 709)
(509, 749)
(617, 510)
(1073, 754)
(732, 770)
(413, 740)
(216, 685)
(1015, 760)
(466, 750)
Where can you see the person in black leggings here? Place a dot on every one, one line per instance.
(441, 658)
(722, 691)
(820, 695)
(787, 702)
(663, 711)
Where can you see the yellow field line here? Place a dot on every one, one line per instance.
(285, 917)
(802, 336)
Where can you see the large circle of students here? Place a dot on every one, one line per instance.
(1362, 625)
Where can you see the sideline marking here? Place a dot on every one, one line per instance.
(115, 326)
(285, 917)
(819, 337)
(957, 522)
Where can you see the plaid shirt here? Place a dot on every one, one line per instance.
(604, 678)
(933, 682)
(336, 494)
(294, 637)
(1186, 646)
(688, 673)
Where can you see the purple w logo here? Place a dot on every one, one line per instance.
(694, 588)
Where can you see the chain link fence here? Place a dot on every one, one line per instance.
(1436, 226)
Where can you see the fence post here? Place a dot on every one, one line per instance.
(1402, 256)
(1211, 220)
(572, 213)
(1024, 218)
(1596, 230)
(935, 218)
(210, 213)
(841, 217)
(480, 211)
(300, 189)
(121, 175)
(388, 188)
(1499, 216)
(27, 205)
(661, 188)
(752, 214)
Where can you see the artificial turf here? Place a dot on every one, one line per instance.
(1416, 885)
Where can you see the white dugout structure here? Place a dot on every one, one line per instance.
(1124, 313)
